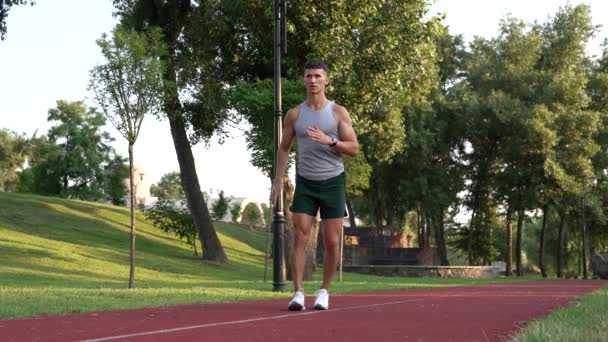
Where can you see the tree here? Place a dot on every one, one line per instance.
(379, 53)
(127, 87)
(220, 207)
(508, 168)
(84, 150)
(426, 177)
(381, 58)
(169, 187)
(194, 92)
(253, 215)
(598, 93)
(45, 173)
(5, 6)
(13, 152)
(235, 211)
(253, 101)
(358, 173)
(573, 126)
(361, 41)
(116, 172)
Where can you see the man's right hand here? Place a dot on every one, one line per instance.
(277, 189)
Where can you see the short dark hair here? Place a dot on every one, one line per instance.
(316, 64)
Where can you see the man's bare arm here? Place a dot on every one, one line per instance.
(347, 142)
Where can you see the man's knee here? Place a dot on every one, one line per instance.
(332, 244)
(301, 235)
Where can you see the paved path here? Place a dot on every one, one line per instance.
(465, 313)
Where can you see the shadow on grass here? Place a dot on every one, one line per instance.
(254, 239)
(47, 272)
(54, 224)
(105, 238)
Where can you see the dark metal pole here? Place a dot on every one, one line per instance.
(278, 223)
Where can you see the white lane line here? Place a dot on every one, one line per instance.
(209, 325)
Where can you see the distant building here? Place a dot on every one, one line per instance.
(246, 203)
(142, 182)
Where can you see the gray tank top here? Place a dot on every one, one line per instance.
(316, 161)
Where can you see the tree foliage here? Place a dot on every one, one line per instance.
(171, 219)
(195, 35)
(169, 187)
(255, 103)
(5, 6)
(76, 152)
(116, 171)
(219, 209)
(128, 86)
(13, 153)
(235, 211)
(381, 59)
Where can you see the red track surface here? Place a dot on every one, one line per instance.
(466, 313)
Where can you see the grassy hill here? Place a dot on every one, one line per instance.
(66, 256)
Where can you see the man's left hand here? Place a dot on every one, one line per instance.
(317, 135)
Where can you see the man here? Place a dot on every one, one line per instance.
(324, 132)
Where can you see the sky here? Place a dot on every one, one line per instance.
(50, 49)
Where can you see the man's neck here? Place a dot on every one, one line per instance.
(316, 101)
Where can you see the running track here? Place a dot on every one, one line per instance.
(464, 313)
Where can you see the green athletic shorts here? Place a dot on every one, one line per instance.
(328, 195)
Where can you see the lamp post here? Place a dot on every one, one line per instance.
(278, 223)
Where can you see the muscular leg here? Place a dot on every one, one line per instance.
(302, 226)
(331, 239)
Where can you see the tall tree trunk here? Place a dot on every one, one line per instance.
(390, 216)
(440, 239)
(132, 191)
(560, 246)
(541, 243)
(378, 218)
(429, 226)
(351, 213)
(212, 248)
(470, 238)
(488, 255)
(171, 17)
(518, 251)
(67, 167)
(509, 261)
(419, 222)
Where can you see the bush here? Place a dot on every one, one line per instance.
(167, 217)
(219, 209)
(235, 212)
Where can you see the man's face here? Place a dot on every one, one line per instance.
(315, 80)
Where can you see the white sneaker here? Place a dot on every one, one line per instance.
(322, 301)
(297, 303)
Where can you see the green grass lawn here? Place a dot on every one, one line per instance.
(64, 256)
(585, 320)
